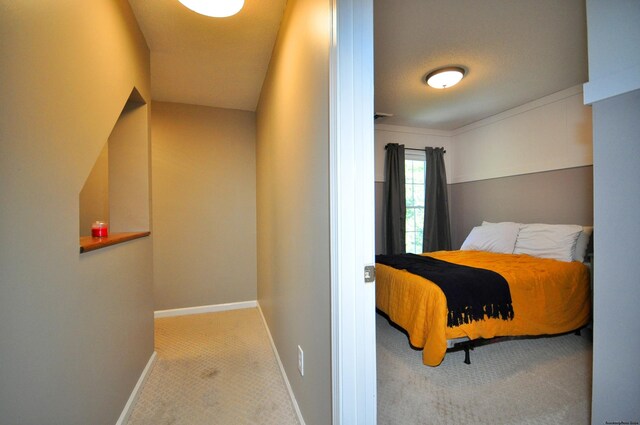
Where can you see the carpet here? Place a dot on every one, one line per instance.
(516, 382)
(215, 368)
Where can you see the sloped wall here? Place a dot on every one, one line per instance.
(76, 330)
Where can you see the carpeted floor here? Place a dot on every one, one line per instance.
(215, 368)
(518, 382)
(219, 368)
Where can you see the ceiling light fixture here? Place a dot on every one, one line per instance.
(214, 8)
(446, 77)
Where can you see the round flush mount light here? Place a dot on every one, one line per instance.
(446, 77)
(214, 8)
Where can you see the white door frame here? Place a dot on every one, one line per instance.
(352, 213)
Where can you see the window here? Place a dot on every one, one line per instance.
(414, 170)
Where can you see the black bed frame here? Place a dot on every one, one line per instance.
(469, 345)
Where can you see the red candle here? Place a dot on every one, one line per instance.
(99, 229)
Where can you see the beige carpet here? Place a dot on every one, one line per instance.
(215, 368)
(518, 382)
(219, 368)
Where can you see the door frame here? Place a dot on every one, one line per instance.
(352, 213)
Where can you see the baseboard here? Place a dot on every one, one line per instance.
(204, 309)
(284, 374)
(128, 408)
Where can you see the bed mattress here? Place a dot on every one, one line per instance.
(548, 297)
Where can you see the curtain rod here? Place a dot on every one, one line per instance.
(414, 149)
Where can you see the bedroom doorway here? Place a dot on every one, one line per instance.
(493, 157)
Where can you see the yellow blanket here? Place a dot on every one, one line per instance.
(549, 297)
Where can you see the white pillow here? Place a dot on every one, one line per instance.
(488, 223)
(555, 241)
(582, 243)
(498, 237)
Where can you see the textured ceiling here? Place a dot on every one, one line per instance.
(515, 50)
(199, 60)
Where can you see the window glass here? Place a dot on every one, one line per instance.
(414, 191)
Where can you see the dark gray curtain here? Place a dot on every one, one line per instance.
(437, 233)
(394, 205)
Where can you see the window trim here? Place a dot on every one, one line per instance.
(415, 155)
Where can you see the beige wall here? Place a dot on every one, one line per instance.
(551, 133)
(76, 330)
(94, 196)
(129, 165)
(293, 203)
(204, 205)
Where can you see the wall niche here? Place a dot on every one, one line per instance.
(117, 189)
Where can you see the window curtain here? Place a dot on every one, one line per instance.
(394, 206)
(436, 231)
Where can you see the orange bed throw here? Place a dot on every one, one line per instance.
(548, 297)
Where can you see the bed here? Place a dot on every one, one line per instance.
(550, 293)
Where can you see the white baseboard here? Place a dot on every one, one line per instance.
(284, 374)
(128, 408)
(204, 309)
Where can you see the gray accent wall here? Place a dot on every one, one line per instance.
(554, 197)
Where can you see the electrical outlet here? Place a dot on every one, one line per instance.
(300, 361)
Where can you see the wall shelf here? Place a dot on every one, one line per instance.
(88, 243)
